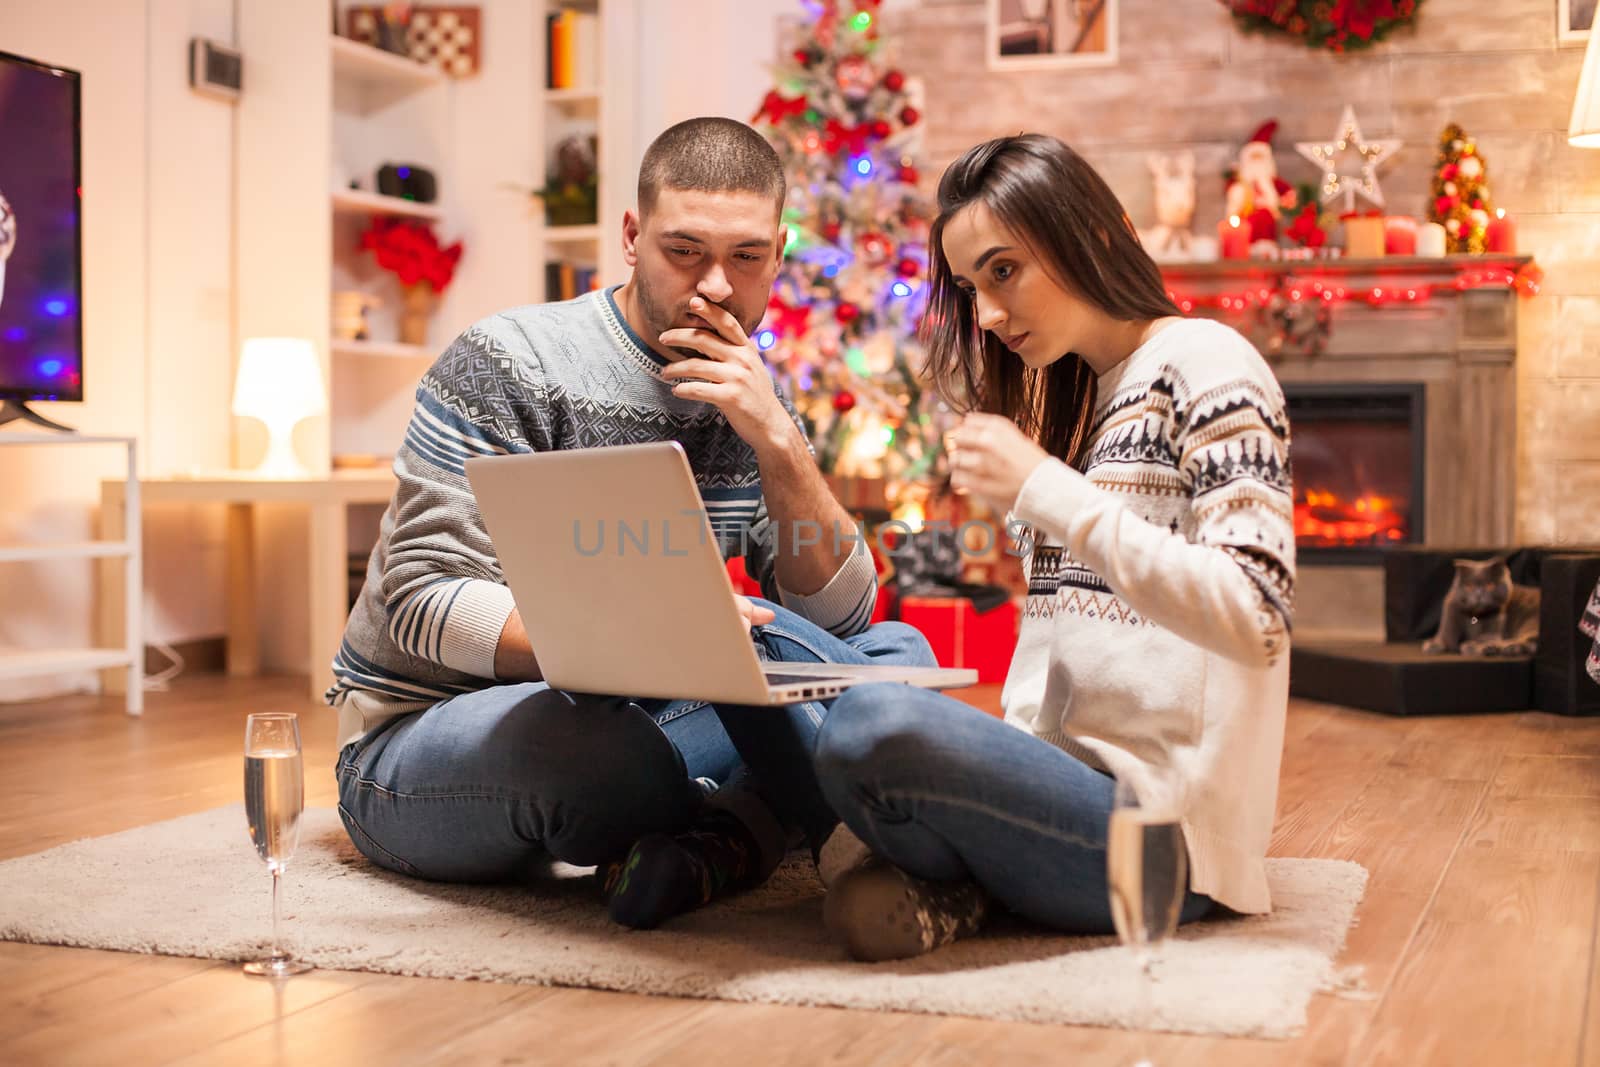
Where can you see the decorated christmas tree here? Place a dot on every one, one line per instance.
(1460, 191)
(840, 332)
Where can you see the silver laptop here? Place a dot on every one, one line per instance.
(611, 559)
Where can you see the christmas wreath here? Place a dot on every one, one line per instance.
(1337, 25)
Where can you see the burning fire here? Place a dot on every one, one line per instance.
(1322, 519)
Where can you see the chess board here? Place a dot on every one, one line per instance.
(443, 36)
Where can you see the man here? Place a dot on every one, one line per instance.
(457, 762)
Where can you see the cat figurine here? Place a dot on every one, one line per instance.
(1486, 614)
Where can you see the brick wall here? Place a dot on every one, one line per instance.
(1186, 78)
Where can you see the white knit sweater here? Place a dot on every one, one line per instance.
(1160, 586)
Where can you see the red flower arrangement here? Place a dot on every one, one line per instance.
(1337, 25)
(410, 250)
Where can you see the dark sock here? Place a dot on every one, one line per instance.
(667, 874)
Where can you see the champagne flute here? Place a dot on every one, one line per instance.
(274, 797)
(1147, 870)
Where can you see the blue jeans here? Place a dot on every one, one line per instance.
(944, 791)
(490, 785)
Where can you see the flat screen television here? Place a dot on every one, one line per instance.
(41, 250)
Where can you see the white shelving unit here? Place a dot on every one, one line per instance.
(385, 108)
(604, 110)
(360, 202)
(32, 662)
(380, 350)
(381, 76)
(570, 235)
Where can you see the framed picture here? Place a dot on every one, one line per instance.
(1035, 34)
(1573, 20)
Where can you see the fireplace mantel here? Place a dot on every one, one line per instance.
(1436, 268)
(1458, 343)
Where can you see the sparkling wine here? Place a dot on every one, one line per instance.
(1146, 863)
(274, 796)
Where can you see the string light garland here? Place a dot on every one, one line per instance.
(1296, 309)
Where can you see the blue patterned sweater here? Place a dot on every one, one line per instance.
(537, 378)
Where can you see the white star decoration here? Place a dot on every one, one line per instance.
(1347, 183)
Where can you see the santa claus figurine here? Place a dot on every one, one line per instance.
(1256, 194)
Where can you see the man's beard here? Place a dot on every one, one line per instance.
(661, 319)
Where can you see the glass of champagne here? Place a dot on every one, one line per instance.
(274, 797)
(1147, 870)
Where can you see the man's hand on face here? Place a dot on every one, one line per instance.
(729, 373)
(752, 613)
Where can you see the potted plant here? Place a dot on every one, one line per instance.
(572, 191)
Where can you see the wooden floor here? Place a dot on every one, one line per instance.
(1478, 931)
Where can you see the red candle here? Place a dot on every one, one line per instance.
(1501, 234)
(1399, 236)
(1233, 238)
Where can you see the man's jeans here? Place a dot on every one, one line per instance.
(490, 785)
(944, 791)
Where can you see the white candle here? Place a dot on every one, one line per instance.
(1430, 239)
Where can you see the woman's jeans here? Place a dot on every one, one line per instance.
(943, 791)
(490, 785)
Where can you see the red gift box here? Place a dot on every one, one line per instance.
(961, 637)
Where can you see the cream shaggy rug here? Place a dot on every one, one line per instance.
(193, 887)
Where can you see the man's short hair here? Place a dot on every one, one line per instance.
(710, 155)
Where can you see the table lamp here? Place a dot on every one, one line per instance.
(280, 383)
(1583, 131)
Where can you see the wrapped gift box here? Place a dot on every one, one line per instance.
(962, 637)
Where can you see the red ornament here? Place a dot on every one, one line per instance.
(908, 268)
(831, 231)
(875, 249)
(802, 57)
(843, 401)
(894, 81)
(881, 129)
(910, 115)
(908, 175)
(846, 313)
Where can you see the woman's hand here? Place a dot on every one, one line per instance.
(990, 458)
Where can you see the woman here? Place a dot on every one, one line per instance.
(1147, 455)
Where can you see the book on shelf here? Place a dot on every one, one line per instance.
(564, 280)
(572, 50)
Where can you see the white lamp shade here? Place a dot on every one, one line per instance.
(1583, 131)
(279, 380)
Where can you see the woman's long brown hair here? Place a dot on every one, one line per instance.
(1053, 201)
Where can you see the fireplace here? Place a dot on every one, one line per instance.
(1358, 454)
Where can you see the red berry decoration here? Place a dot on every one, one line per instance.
(910, 115)
(881, 129)
(846, 313)
(830, 230)
(843, 401)
(908, 175)
(802, 57)
(894, 81)
(908, 268)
